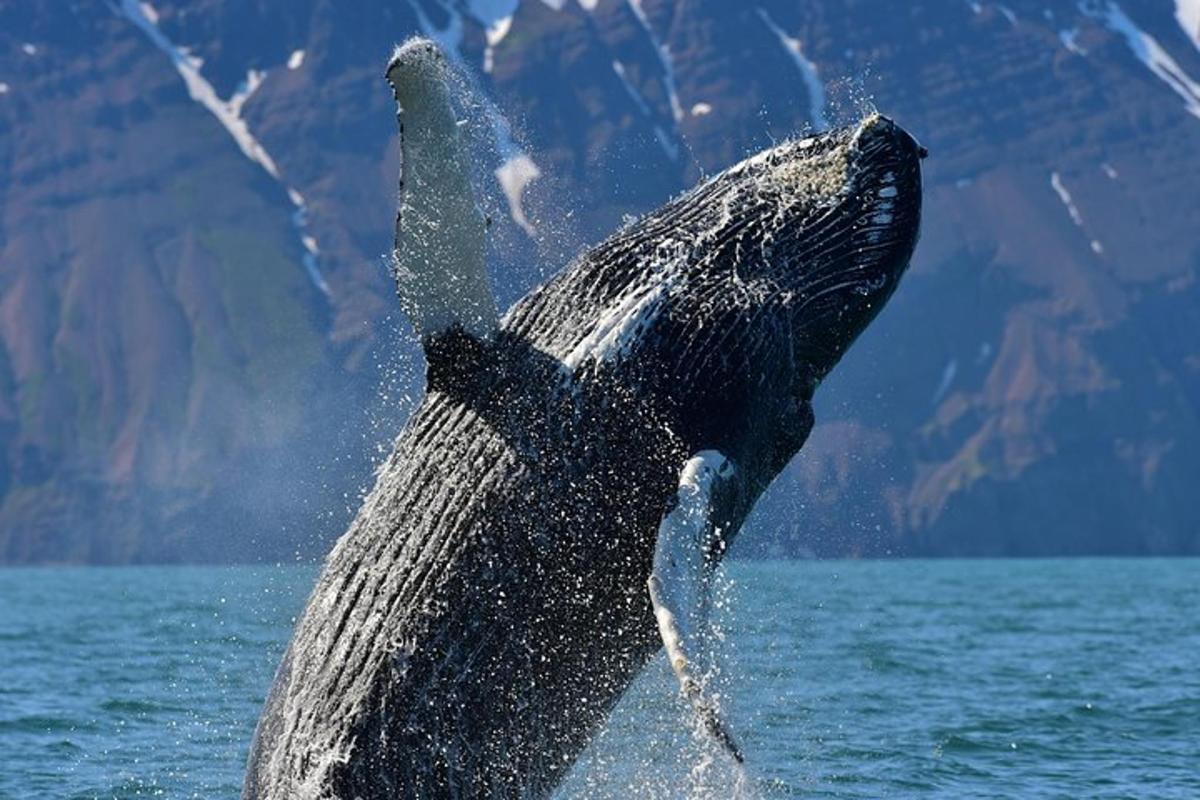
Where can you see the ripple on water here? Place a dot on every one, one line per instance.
(843, 679)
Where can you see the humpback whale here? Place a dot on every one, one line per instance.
(551, 516)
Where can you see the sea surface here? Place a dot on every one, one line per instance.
(949, 679)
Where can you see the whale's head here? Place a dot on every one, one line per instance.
(763, 276)
(840, 219)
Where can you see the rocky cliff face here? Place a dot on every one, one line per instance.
(194, 199)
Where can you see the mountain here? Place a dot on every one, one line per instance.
(202, 355)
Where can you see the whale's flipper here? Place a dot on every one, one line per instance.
(439, 255)
(685, 556)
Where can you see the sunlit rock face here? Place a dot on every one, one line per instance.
(175, 385)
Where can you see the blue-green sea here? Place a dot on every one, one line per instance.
(949, 679)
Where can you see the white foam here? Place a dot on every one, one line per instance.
(808, 70)
(4, 88)
(701, 109)
(1109, 171)
(1009, 14)
(29, 49)
(296, 59)
(1147, 50)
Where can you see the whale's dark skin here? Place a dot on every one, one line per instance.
(488, 606)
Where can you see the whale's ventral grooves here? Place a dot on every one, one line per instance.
(488, 605)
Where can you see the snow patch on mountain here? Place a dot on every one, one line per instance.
(1147, 50)
(1069, 37)
(1187, 12)
(668, 145)
(808, 70)
(1060, 189)
(514, 175)
(664, 59)
(948, 374)
(1065, 196)
(494, 35)
(228, 113)
(664, 139)
(496, 17)
(517, 170)
(633, 93)
(245, 90)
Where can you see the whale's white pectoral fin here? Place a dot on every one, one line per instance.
(684, 561)
(439, 253)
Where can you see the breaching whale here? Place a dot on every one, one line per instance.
(552, 514)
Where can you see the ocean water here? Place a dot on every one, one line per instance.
(1021, 679)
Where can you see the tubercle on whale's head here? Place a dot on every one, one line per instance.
(848, 210)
